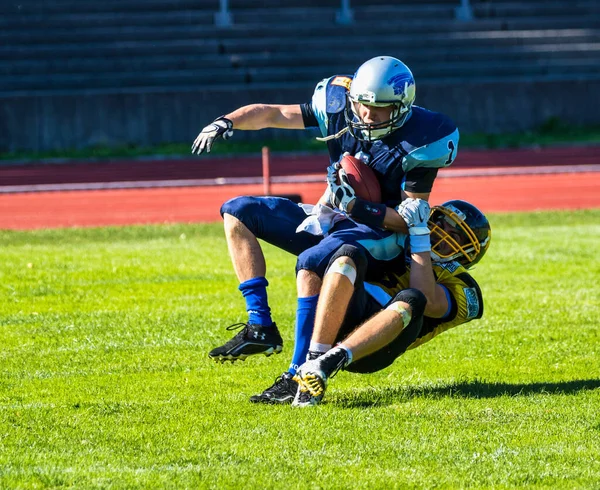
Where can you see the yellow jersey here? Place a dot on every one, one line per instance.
(464, 297)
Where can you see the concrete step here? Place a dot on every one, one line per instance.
(155, 62)
(61, 20)
(535, 8)
(457, 70)
(206, 77)
(250, 37)
(33, 7)
(268, 47)
(115, 49)
(24, 8)
(491, 40)
(284, 28)
(547, 12)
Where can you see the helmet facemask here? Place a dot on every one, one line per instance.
(456, 242)
(373, 131)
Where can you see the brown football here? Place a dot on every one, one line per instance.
(362, 179)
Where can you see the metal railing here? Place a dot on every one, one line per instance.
(464, 12)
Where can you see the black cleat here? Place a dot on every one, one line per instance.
(251, 340)
(281, 392)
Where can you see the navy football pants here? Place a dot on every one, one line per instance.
(275, 219)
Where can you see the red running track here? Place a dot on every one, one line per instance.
(207, 167)
(201, 204)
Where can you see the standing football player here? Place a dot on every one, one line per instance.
(369, 115)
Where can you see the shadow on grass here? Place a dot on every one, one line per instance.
(467, 389)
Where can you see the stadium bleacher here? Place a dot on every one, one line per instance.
(74, 45)
(50, 48)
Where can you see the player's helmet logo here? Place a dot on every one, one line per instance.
(460, 232)
(382, 81)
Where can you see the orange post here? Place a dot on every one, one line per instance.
(266, 170)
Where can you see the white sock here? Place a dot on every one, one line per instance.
(348, 354)
(316, 347)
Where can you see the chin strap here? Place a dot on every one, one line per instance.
(334, 136)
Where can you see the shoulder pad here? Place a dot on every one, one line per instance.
(473, 296)
(451, 267)
(337, 88)
(429, 140)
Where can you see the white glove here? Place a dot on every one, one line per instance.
(221, 127)
(416, 214)
(342, 194)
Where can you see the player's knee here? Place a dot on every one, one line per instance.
(308, 283)
(238, 206)
(351, 259)
(244, 209)
(343, 266)
(415, 299)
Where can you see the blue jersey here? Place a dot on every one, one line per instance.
(407, 159)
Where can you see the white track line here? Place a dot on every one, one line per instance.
(290, 179)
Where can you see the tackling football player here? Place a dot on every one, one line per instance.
(400, 310)
(370, 115)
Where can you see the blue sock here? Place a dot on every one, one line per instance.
(255, 293)
(305, 323)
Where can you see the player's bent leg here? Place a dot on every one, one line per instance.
(246, 255)
(281, 392)
(407, 330)
(378, 245)
(272, 219)
(275, 220)
(344, 272)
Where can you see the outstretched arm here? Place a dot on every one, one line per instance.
(247, 118)
(260, 116)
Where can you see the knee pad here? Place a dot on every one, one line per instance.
(415, 298)
(357, 255)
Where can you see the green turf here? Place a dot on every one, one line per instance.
(105, 382)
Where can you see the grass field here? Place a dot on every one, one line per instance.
(105, 381)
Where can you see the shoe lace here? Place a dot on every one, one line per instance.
(332, 361)
(304, 396)
(281, 381)
(237, 326)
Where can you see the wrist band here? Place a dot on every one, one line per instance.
(420, 243)
(227, 121)
(369, 213)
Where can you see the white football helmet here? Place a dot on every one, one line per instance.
(380, 82)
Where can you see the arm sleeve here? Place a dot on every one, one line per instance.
(437, 154)
(308, 116)
(419, 180)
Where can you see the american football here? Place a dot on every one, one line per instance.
(261, 307)
(362, 179)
